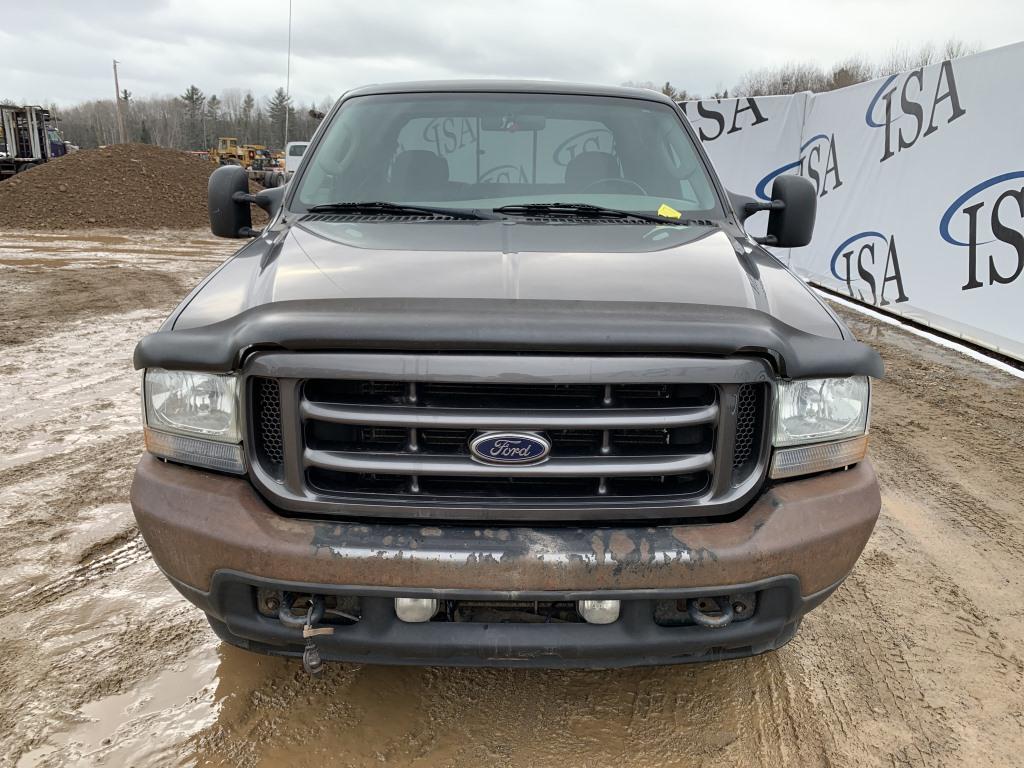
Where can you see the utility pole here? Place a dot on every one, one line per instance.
(288, 77)
(117, 103)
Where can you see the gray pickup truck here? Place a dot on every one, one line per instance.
(505, 381)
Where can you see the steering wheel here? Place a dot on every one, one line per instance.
(625, 185)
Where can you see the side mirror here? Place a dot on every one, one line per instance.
(228, 199)
(792, 210)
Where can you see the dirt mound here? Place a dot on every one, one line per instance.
(127, 185)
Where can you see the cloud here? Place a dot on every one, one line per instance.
(165, 46)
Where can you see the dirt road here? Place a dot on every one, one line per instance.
(917, 660)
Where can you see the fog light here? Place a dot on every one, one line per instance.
(598, 611)
(415, 609)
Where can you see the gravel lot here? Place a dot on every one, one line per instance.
(917, 660)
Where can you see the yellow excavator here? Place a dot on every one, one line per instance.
(228, 152)
(260, 162)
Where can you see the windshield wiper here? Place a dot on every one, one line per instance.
(399, 208)
(586, 210)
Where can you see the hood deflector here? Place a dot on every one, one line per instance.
(506, 325)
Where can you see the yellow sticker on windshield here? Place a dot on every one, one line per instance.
(669, 212)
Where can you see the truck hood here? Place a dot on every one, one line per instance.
(330, 257)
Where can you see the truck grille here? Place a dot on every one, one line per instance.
(359, 442)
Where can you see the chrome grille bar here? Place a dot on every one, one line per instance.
(399, 464)
(486, 419)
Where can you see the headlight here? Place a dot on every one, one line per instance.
(198, 404)
(820, 410)
(193, 418)
(824, 420)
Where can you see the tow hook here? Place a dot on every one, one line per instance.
(311, 660)
(697, 616)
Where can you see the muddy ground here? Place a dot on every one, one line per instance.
(917, 660)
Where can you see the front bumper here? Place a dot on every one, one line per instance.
(218, 541)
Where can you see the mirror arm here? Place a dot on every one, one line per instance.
(753, 206)
(767, 240)
(251, 199)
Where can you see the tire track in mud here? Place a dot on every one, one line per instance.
(81, 576)
(915, 476)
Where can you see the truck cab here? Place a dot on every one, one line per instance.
(293, 153)
(27, 138)
(505, 381)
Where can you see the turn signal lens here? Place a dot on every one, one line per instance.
(209, 454)
(806, 459)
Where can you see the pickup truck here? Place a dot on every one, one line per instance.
(505, 381)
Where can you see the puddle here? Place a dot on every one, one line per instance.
(143, 726)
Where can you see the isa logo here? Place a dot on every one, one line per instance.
(988, 220)
(903, 116)
(713, 116)
(818, 161)
(869, 264)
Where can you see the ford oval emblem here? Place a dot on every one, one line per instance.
(510, 448)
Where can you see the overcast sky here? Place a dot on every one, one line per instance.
(60, 51)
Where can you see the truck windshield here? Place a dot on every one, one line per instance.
(484, 151)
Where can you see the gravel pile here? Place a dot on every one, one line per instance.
(134, 186)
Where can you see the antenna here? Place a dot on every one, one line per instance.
(288, 77)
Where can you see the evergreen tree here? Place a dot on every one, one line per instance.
(248, 106)
(213, 114)
(278, 106)
(193, 101)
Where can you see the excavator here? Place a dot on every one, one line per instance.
(259, 161)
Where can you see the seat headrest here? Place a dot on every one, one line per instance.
(418, 173)
(589, 167)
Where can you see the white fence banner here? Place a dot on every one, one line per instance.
(743, 136)
(920, 180)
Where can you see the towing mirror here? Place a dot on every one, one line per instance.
(791, 211)
(228, 199)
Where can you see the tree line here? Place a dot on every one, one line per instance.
(191, 121)
(194, 121)
(795, 77)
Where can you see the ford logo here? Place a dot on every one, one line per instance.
(510, 448)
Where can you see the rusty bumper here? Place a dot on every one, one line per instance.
(198, 523)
